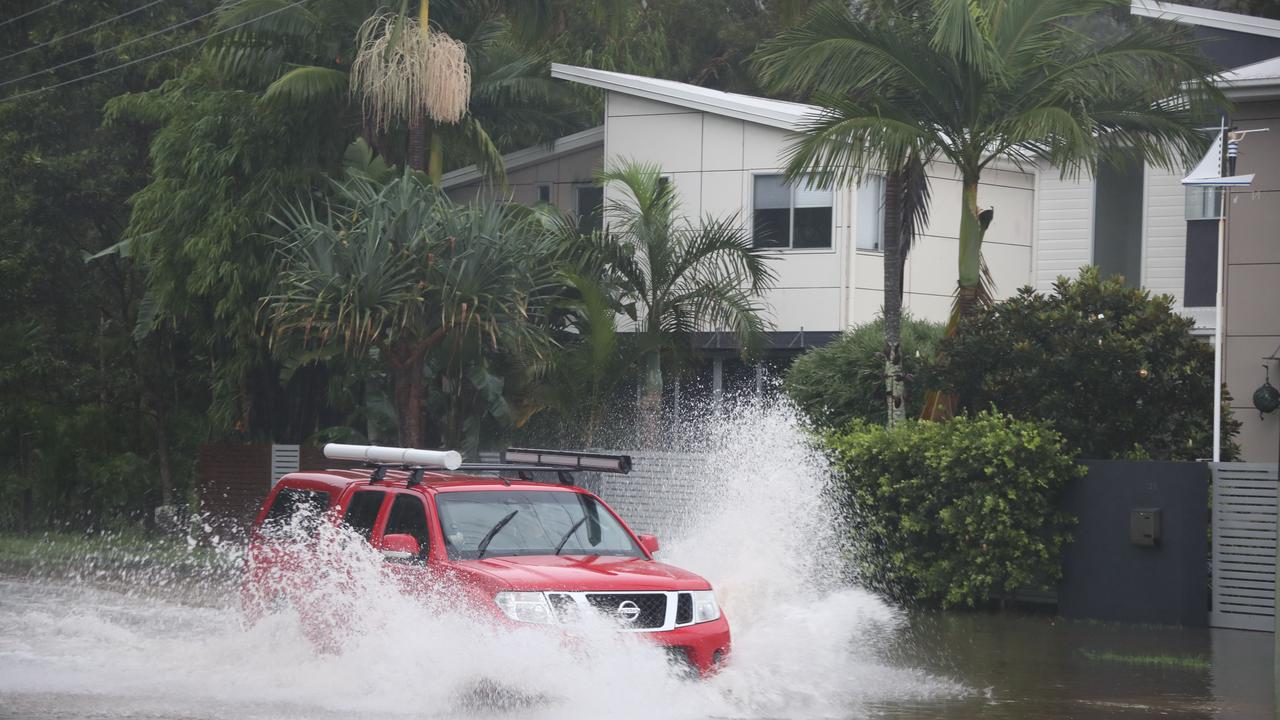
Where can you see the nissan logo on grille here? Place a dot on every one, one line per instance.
(627, 611)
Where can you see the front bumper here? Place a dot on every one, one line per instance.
(704, 647)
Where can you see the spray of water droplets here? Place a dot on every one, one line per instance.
(763, 528)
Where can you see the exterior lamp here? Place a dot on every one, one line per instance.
(1267, 397)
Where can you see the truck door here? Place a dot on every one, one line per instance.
(408, 516)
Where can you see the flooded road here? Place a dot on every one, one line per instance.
(148, 642)
(69, 650)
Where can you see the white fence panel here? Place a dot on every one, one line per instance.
(285, 459)
(1244, 546)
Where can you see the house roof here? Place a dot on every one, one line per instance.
(1202, 17)
(529, 156)
(1256, 81)
(775, 113)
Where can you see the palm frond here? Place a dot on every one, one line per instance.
(308, 87)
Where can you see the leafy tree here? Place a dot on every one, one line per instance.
(303, 57)
(957, 512)
(1113, 369)
(222, 162)
(401, 273)
(845, 380)
(974, 82)
(97, 426)
(675, 276)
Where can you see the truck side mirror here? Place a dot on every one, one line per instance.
(649, 542)
(400, 547)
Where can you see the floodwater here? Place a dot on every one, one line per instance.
(147, 643)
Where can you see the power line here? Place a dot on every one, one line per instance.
(16, 18)
(155, 54)
(59, 66)
(81, 30)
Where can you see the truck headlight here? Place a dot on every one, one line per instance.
(705, 608)
(530, 607)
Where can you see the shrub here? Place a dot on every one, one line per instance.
(1114, 369)
(950, 513)
(844, 380)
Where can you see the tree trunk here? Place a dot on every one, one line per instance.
(651, 399)
(416, 155)
(435, 161)
(969, 295)
(893, 261)
(972, 231)
(407, 385)
(162, 454)
(417, 151)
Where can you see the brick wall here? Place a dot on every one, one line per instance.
(235, 478)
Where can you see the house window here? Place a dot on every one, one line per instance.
(544, 193)
(790, 216)
(871, 213)
(590, 208)
(1117, 221)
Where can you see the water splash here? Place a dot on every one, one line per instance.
(765, 531)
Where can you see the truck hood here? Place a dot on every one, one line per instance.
(584, 573)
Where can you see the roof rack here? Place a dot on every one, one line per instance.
(522, 461)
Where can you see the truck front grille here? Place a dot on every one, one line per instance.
(635, 610)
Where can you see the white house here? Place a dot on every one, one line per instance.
(725, 153)
(1138, 220)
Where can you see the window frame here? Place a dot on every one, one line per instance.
(378, 517)
(424, 546)
(751, 219)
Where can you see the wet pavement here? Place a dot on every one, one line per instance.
(1040, 666)
(67, 651)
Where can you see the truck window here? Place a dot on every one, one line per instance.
(408, 517)
(290, 502)
(362, 512)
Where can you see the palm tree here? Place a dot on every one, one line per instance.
(675, 276)
(304, 58)
(973, 82)
(906, 212)
(399, 272)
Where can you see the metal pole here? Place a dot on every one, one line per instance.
(1217, 310)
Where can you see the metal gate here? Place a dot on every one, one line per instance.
(1244, 546)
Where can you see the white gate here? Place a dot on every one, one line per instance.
(1244, 546)
(284, 460)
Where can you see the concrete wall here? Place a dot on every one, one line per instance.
(1252, 283)
(712, 161)
(1106, 576)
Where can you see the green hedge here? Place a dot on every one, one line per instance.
(1113, 368)
(844, 380)
(954, 513)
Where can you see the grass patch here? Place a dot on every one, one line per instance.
(129, 546)
(1186, 662)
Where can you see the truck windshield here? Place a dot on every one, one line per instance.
(544, 521)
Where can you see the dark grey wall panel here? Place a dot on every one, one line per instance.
(1106, 575)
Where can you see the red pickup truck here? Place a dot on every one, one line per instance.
(517, 549)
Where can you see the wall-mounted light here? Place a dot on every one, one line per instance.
(1267, 397)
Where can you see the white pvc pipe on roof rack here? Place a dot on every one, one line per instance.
(448, 459)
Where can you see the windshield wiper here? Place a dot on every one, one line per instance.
(484, 543)
(569, 534)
